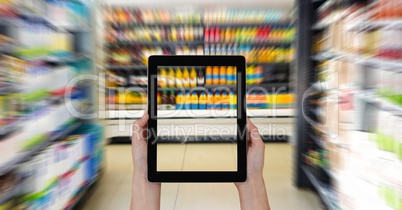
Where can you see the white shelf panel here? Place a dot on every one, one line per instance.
(263, 113)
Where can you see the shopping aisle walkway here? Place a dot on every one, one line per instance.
(113, 190)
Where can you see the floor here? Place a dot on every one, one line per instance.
(113, 190)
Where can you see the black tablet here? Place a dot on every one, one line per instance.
(197, 119)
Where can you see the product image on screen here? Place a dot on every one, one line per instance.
(196, 118)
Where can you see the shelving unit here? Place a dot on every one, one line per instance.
(24, 156)
(305, 61)
(361, 109)
(199, 41)
(78, 60)
(325, 191)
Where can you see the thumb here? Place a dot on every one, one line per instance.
(138, 127)
(254, 134)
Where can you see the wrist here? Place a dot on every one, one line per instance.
(142, 178)
(252, 182)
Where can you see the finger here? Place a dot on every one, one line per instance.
(142, 121)
(255, 136)
(138, 127)
(250, 125)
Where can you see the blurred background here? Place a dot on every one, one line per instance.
(324, 85)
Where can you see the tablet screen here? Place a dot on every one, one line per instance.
(196, 118)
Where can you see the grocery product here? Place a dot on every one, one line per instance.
(210, 100)
(162, 80)
(159, 98)
(200, 78)
(208, 76)
(172, 100)
(225, 100)
(258, 75)
(187, 101)
(179, 100)
(194, 101)
(179, 78)
(215, 75)
(203, 101)
(230, 75)
(249, 75)
(249, 35)
(222, 75)
(186, 78)
(217, 103)
(193, 78)
(171, 78)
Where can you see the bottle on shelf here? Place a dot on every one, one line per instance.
(159, 98)
(225, 100)
(259, 75)
(193, 78)
(162, 78)
(194, 101)
(171, 100)
(203, 101)
(232, 100)
(210, 100)
(200, 78)
(179, 101)
(171, 78)
(208, 77)
(217, 100)
(249, 75)
(229, 75)
(222, 75)
(165, 100)
(215, 75)
(186, 78)
(179, 78)
(187, 103)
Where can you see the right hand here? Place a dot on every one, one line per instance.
(255, 153)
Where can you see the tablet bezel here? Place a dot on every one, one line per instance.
(197, 176)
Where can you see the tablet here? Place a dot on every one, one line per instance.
(197, 119)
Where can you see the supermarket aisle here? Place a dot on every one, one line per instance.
(114, 188)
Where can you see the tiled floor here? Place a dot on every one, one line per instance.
(113, 190)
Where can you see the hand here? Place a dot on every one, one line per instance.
(139, 145)
(252, 192)
(255, 153)
(145, 195)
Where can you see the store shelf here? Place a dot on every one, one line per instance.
(59, 60)
(164, 43)
(79, 194)
(274, 24)
(256, 44)
(8, 89)
(144, 67)
(371, 24)
(324, 191)
(10, 127)
(269, 64)
(375, 61)
(318, 141)
(76, 29)
(324, 56)
(262, 85)
(131, 25)
(8, 48)
(7, 196)
(190, 114)
(371, 97)
(133, 67)
(26, 155)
